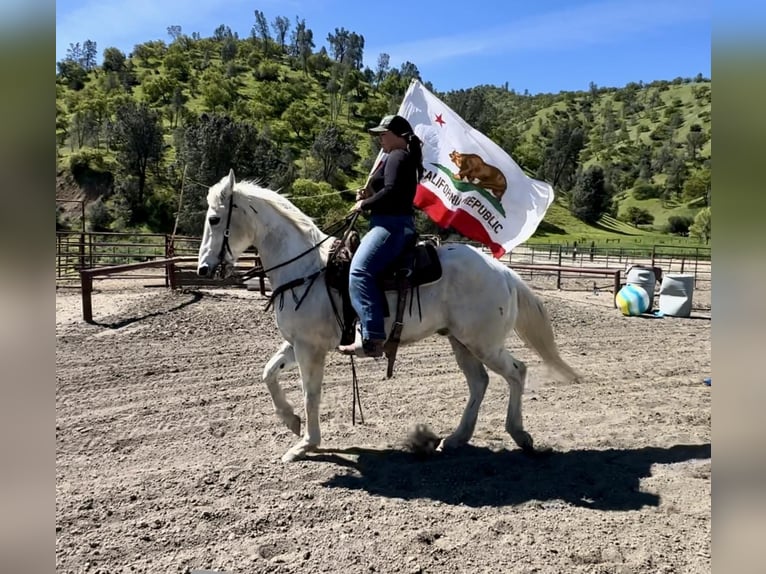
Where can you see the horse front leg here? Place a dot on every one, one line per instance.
(477, 379)
(282, 360)
(311, 363)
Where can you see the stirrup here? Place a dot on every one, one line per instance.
(369, 348)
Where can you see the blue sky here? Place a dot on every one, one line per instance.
(539, 45)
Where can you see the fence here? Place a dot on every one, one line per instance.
(670, 259)
(79, 250)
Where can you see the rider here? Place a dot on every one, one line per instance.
(388, 197)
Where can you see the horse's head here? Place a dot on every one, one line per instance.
(225, 236)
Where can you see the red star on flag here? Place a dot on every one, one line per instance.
(439, 120)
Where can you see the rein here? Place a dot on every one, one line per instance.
(346, 225)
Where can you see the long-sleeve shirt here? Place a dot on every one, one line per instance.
(394, 184)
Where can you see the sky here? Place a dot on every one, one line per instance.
(540, 46)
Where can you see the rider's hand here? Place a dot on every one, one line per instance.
(357, 206)
(362, 193)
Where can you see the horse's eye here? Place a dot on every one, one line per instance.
(214, 220)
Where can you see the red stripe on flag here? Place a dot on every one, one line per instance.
(460, 220)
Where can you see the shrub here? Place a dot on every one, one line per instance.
(679, 224)
(267, 72)
(97, 216)
(637, 216)
(647, 191)
(86, 160)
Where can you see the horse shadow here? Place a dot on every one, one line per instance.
(477, 476)
(196, 296)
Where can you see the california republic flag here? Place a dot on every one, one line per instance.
(470, 183)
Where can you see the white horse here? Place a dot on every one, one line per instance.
(476, 304)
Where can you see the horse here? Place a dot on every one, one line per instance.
(476, 304)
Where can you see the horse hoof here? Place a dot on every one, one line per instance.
(299, 451)
(293, 455)
(524, 440)
(450, 444)
(295, 425)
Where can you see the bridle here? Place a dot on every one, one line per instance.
(225, 247)
(343, 225)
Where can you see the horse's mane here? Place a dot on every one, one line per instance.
(280, 204)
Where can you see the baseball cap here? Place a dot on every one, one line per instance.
(393, 123)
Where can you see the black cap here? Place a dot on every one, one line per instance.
(394, 124)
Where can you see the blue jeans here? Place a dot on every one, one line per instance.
(383, 243)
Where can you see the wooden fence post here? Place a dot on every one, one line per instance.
(82, 251)
(86, 287)
(558, 273)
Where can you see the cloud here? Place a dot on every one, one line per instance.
(583, 25)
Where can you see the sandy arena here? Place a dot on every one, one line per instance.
(168, 450)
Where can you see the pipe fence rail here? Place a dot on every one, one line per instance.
(83, 256)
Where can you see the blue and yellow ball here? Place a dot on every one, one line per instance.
(632, 300)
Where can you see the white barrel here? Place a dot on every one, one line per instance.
(676, 294)
(642, 277)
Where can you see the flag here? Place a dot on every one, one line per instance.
(470, 183)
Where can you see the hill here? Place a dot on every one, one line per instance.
(190, 109)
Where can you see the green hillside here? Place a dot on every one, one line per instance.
(295, 117)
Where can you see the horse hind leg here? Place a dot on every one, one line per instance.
(514, 372)
(282, 360)
(477, 380)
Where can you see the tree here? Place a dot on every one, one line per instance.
(302, 44)
(218, 92)
(677, 172)
(222, 32)
(317, 200)
(561, 155)
(175, 32)
(211, 145)
(702, 227)
(590, 198)
(300, 119)
(409, 71)
(97, 215)
(89, 52)
(679, 224)
(382, 68)
(261, 30)
(333, 151)
(72, 74)
(228, 49)
(136, 135)
(638, 216)
(339, 44)
(74, 53)
(698, 185)
(355, 53)
(114, 61)
(695, 139)
(281, 25)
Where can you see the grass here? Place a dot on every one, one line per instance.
(561, 227)
(661, 212)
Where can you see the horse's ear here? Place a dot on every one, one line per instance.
(231, 181)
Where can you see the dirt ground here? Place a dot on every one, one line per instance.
(168, 450)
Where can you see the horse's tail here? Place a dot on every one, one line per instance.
(533, 326)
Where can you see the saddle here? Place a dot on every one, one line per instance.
(417, 265)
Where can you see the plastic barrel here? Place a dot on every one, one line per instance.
(676, 293)
(643, 277)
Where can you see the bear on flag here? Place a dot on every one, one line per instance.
(470, 183)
